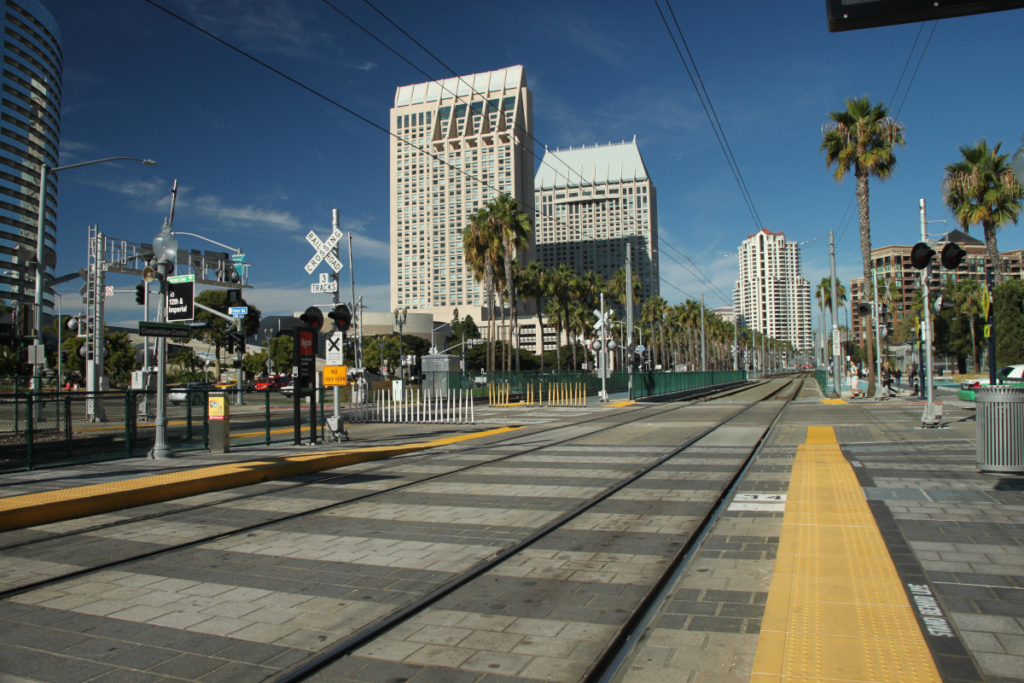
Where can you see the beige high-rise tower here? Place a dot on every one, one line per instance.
(459, 143)
(771, 296)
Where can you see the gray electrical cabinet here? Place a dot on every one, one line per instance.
(441, 373)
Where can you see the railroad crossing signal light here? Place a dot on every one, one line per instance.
(863, 309)
(942, 304)
(921, 255)
(342, 317)
(140, 293)
(952, 255)
(313, 317)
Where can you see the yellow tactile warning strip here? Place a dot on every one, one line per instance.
(621, 404)
(17, 512)
(834, 402)
(836, 609)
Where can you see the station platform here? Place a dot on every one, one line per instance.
(860, 547)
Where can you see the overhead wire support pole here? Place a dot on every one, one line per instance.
(336, 390)
(837, 359)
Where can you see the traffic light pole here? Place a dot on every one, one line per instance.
(837, 357)
(930, 417)
(878, 334)
(336, 390)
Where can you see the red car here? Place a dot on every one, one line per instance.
(273, 383)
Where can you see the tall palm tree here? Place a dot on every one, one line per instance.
(535, 287)
(512, 226)
(981, 188)
(862, 138)
(617, 286)
(480, 255)
(561, 285)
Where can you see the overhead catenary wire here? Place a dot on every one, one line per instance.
(711, 284)
(737, 176)
(914, 75)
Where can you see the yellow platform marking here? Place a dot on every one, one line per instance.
(17, 512)
(836, 608)
(834, 402)
(621, 404)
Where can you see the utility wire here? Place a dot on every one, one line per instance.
(904, 73)
(711, 106)
(728, 160)
(702, 277)
(911, 83)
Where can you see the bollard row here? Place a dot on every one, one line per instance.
(453, 407)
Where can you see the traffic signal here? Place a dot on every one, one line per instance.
(942, 304)
(921, 255)
(64, 357)
(140, 293)
(952, 255)
(240, 342)
(234, 297)
(342, 317)
(229, 274)
(313, 317)
(25, 329)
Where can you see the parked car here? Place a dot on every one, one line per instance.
(196, 390)
(1010, 372)
(288, 389)
(273, 383)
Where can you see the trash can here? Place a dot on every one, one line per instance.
(219, 414)
(1000, 417)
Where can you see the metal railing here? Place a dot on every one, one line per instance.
(661, 383)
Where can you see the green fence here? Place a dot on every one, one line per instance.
(821, 377)
(53, 429)
(661, 383)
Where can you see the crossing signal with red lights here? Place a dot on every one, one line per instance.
(342, 317)
(313, 317)
(952, 255)
(921, 255)
(140, 293)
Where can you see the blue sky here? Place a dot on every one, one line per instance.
(260, 161)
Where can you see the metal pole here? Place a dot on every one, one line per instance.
(703, 339)
(238, 371)
(37, 369)
(629, 317)
(876, 318)
(930, 416)
(991, 329)
(336, 391)
(735, 343)
(60, 363)
(837, 364)
(160, 448)
(604, 355)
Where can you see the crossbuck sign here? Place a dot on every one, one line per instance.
(324, 251)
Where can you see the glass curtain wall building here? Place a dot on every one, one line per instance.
(29, 136)
(458, 144)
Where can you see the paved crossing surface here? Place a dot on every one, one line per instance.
(337, 555)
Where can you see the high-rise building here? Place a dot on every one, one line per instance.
(771, 296)
(591, 202)
(29, 136)
(458, 144)
(893, 264)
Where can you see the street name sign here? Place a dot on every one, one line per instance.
(238, 312)
(168, 330)
(336, 349)
(181, 291)
(325, 286)
(323, 251)
(335, 376)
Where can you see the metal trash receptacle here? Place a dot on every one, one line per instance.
(1000, 417)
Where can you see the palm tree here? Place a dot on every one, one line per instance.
(480, 256)
(967, 295)
(862, 138)
(617, 286)
(506, 221)
(535, 287)
(981, 188)
(561, 283)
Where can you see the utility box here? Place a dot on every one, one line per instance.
(218, 413)
(438, 370)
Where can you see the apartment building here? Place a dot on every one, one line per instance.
(458, 143)
(591, 202)
(770, 295)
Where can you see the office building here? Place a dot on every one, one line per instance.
(29, 136)
(771, 296)
(458, 144)
(591, 202)
(893, 264)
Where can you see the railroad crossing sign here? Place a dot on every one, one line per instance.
(325, 286)
(335, 351)
(323, 251)
(601, 321)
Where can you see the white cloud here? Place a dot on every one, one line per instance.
(366, 66)
(210, 206)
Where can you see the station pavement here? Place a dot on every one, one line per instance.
(945, 528)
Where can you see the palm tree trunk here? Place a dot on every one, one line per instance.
(540, 326)
(992, 250)
(865, 255)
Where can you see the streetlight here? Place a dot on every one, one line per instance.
(44, 170)
(165, 252)
(401, 315)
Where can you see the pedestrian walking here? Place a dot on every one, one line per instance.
(912, 376)
(898, 375)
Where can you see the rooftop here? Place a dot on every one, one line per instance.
(611, 163)
(509, 78)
